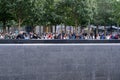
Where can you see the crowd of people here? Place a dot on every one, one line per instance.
(61, 36)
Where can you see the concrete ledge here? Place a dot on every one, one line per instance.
(56, 41)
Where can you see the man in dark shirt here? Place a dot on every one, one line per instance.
(20, 36)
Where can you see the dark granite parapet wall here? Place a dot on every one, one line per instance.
(61, 62)
(56, 41)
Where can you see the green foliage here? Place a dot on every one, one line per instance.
(116, 10)
(104, 14)
(74, 12)
(5, 13)
(55, 12)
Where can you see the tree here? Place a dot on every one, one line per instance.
(5, 13)
(35, 14)
(21, 10)
(116, 11)
(104, 14)
(75, 12)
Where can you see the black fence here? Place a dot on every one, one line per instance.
(56, 41)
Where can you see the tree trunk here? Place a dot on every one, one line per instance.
(76, 25)
(44, 29)
(19, 24)
(55, 29)
(40, 30)
(4, 29)
(34, 29)
(88, 30)
(8, 29)
(70, 29)
(105, 31)
(97, 30)
(117, 28)
(47, 28)
(80, 29)
(51, 29)
(65, 29)
(4, 26)
(61, 29)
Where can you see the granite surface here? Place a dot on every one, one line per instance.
(75, 62)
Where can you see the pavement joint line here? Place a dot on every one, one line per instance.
(83, 44)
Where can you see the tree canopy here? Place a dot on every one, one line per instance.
(54, 12)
